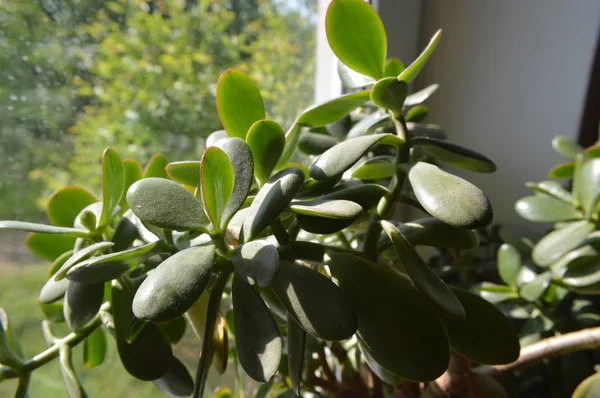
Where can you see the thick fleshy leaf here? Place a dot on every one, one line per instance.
(322, 225)
(583, 271)
(579, 258)
(421, 96)
(166, 204)
(72, 382)
(109, 266)
(362, 48)
(366, 195)
(79, 256)
(89, 216)
(509, 264)
(291, 144)
(49, 247)
(257, 338)
(175, 285)
(113, 185)
(523, 239)
(425, 130)
(332, 110)
(496, 294)
(390, 308)
(485, 336)
(149, 356)
(175, 330)
(587, 186)
(376, 168)
(417, 113)
(43, 229)
(125, 234)
(133, 173)
(412, 70)
(266, 140)
(421, 275)
(64, 205)
(315, 144)
(256, 262)
(562, 171)
(82, 302)
(588, 388)
(552, 246)
(312, 188)
(449, 198)
(240, 156)
(344, 155)
(238, 102)
(155, 168)
(176, 382)
(271, 200)
(9, 351)
(390, 93)
(370, 123)
(217, 179)
(53, 290)
(546, 209)
(334, 209)
(455, 155)
(566, 147)
(187, 173)
(296, 342)
(351, 79)
(432, 232)
(532, 291)
(53, 312)
(552, 188)
(314, 301)
(393, 67)
(94, 349)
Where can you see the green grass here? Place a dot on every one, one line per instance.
(19, 288)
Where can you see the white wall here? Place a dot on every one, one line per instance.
(513, 74)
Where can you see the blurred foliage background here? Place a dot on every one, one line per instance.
(140, 76)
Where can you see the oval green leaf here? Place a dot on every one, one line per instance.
(64, 205)
(366, 195)
(455, 155)
(49, 247)
(315, 144)
(217, 179)
(389, 308)
(82, 302)
(363, 48)
(412, 70)
(588, 388)
(562, 171)
(256, 262)
(565, 146)
(338, 159)
(332, 110)
(449, 198)
(94, 349)
(417, 113)
(187, 173)
(166, 204)
(133, 172)
(587, 184)
(432, 232)
(266, 140)
(53, 290)
(149, 356)
(376, 168)
(43, 229)
(546, 209)
(257, 338)
(113, 185)
(485, 336)
(390, 93)
(238, 102)
(79, 256)
(509, 264)
(175, 285)
(240, 156)
(296, 342)
(393, 67)
(558, 242)
(176, 382)
(421, 96)
(155, 168)
(314, 301)
(271, 200)
(532, 291)
(424, 279)
(552, 188)
(331, 209)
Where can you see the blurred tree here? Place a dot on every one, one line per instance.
(137, 75)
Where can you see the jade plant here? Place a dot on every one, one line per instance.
(550, 280)
(279, 266)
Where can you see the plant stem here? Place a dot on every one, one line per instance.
(386, 203)
(344, 241)
(551, 347)
(280, 233)
(51, 353)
